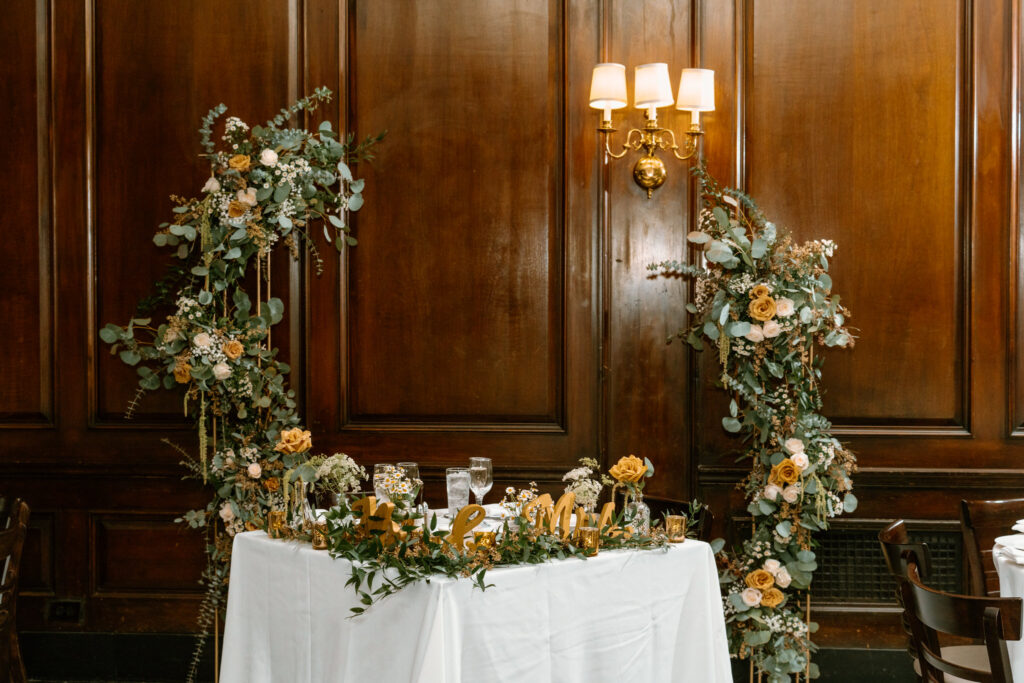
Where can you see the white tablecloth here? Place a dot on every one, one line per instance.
(1011, 585)
(643, 616)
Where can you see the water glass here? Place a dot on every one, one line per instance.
(380, 471)
(481, 478)
(457, 479)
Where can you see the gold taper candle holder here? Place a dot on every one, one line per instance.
(484, 539)
(590, 539)
(320, 535)
(675, 528)
(275, 522)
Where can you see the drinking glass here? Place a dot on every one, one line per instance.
(457, 479)
(480, 476)
(412, 472)
(379, 473)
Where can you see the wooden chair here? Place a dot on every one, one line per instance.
(991, 620)
(12, 540)
(981, 522)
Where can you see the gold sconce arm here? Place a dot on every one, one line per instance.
(607, 130)
(689, 147)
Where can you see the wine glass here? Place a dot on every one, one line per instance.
(480, 478)
(380, 472)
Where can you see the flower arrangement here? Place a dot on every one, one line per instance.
(585, 484)
(268, 187)
(631, 472)
(399, 487)
(516, 500)
(337, 473)
(765, 302)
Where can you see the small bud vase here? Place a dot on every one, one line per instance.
(637, 515)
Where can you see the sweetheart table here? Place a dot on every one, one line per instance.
(653, 615)
(1011, 585)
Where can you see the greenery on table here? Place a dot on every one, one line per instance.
(763, 302)
(268, 188)
(380, 569)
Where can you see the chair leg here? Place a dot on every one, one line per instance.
(17, 665)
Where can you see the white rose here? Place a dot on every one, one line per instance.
(771, 492)
(791, 493)
(800, 460)
(784, 307)
(254, 470)
(751, 597)
(794, 445)
(226, 513)
(247, 196)
(772, 566)
(756, 334)
(268, 157)
(771, 329)
(221, 371)
(783, 579)
(211, 185)
(202, 340)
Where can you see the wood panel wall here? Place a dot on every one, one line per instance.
(498, 302)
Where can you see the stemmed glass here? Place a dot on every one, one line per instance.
(480, 478)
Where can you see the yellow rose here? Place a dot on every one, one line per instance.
(272, 484)
(628, 469)
(237, 208)
(760, 579)
(294, 441)
(233, 349)
(786, 472)
(771, 598)
(762, 308)
(183, 373)
(239, 162)
(759, 291)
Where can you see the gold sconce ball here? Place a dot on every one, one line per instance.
(649, 173)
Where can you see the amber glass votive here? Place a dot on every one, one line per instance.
(320, 535)
(675, 528)
(275, 522)
(484, 539)
(590, 539)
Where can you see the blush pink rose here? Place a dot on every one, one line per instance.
(254, 470)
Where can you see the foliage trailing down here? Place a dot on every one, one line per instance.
(763, 302)
(267, 189)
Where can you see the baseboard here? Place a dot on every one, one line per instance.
(159, 657)
(851, 666)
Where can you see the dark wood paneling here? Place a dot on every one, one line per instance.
(25, 280)
(149, 90)
(647, 382)
(122, 544)
(467, 327)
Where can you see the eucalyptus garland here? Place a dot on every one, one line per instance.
(268, 187)
(763, 303)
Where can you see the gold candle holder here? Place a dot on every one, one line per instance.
(590, 539)
(675, 528)
(275, 523)
(320, 535)
(484, 539)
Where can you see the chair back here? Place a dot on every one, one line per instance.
(981, 523)
(992, 620)
(895, 542)
(12, 540)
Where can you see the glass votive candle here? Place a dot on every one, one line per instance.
(484, 539)
(675, 528)
(275, 522)
(320, 535)
(590, 539)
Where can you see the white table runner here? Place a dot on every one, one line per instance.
(622, 616)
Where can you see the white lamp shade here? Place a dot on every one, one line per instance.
(652, 87)
(697, 90)
(608, 86)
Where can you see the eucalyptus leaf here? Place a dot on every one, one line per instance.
(731, 424)
(355, 202)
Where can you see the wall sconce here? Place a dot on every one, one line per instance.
(652, 89)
